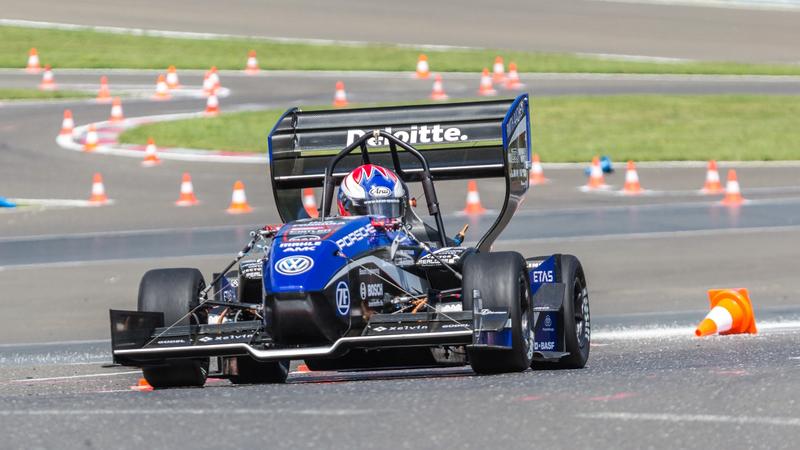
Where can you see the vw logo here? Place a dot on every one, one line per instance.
(294, 265)
(342, 298)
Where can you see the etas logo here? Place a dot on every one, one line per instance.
(422, 134)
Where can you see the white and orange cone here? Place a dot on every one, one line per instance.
(91, 139)
(67, 124)
(310, 203)
(438, 94)
(212, 106)
(116, 111)
(632, 185)
(239, 203)
(473, 200)
(712, 184)
(512, 80)
(498, 71)
(596, 179)
(172, 78)
(98, 197)
(187, 197)
(733, 196)
(48, 80)
(150, 154)
(162, 90)
(731, 313)
(213, 76)
(208, 84)
(104, 93)
(423, 70)
(486, 89)
(536, 176)
(340, 97)
(33, 62)
(252, 64)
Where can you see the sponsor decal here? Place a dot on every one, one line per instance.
(355, 236)
(305, 237)
(422, 134)
(404, 258)
(545, 332)
(362, 290)
(250, 269)
(380, 191)
(400, 328)
(543, 276)
(375, 290)
(224, 338)
(299, 246)
(450, 255)
(171, 341)
(342, 298)
(294, 265)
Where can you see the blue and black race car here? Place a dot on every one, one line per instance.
(371, 285)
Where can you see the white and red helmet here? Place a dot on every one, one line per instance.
(372, 190)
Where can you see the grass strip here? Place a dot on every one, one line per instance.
(35, 94)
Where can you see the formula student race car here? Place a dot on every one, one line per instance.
(369, 291)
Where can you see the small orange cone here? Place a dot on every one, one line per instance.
(142, 386)
(33, 62)
(596, 178)
(213, 77)
(512, 81)
(212, 106)
(90, 142)
(632, 186)
(116, 111)
(239, 203)
(208, 84)
(310, 203)
(150, 157)
(423, 70)
(67, 124)
(712, 184)
(486, 88)
(162, 90)
(498, 71)
(98, 197)
(339, 97)
(104, 93)
(187, 197)
(438, 93)
(473, 199)
(731, 313)
(733, 195)
(172, 78)
(303, 368)
(252, 64)
(48, 80)
(536, 175)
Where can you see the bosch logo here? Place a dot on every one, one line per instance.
(342, 299)
(294, 265)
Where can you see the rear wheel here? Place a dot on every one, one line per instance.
(502, 279)
(174, 292)
(250, 371)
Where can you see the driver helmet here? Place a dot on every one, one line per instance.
(372, 190)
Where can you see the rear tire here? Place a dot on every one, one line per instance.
(502, 279)
(174, 292)
(250, 371)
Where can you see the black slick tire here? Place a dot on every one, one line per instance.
(250, 371)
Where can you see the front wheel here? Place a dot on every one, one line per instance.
(250, 371)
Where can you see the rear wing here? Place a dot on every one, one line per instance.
(485, 139)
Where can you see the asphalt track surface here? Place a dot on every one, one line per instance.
(670, 31)
(649, 261)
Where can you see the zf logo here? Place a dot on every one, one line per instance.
(342, 299)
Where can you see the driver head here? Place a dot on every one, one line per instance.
(372, 190)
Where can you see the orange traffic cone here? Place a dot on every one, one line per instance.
(33, 62)
(208, 84)
(239, 200)
(150, 157)
(473, 199)
(731, 313)
(252, 64)
(142, 386)
(512, 81)
(632, 186)
(172, 78)
(48, 80)
(116, 111)
(310, 203)
(213, 77)
(104, 93)
(712, 184)
(303, 368)
(486, 88)
(98, 197)
(162, 90)
(536, 175)
(67, 124)
(733, 196)
(90, 142)
(187, 197)
(438, 90)
(498, 70)
(339, 97)
(212, 106)
(596, 178)
(423, 70)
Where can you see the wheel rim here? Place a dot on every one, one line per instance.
(525, 323)
(582, 317)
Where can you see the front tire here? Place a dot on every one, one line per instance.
(250, 371)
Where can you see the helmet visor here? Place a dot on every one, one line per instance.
(386, 207)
